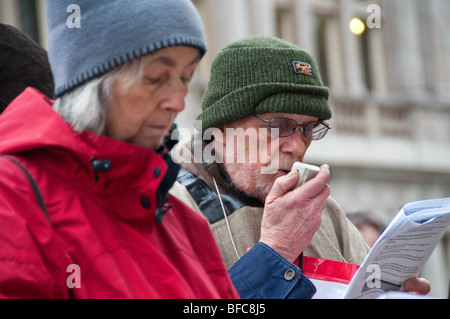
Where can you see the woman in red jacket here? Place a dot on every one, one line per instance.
(84, 204)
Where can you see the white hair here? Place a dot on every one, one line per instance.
(85, 106)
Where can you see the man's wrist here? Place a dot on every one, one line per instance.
(280, 248)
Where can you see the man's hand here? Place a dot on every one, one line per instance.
(291, 218)
(417, 285)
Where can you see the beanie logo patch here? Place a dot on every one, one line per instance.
(302, 68)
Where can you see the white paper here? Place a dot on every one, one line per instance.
(402, 250)
(328, 289)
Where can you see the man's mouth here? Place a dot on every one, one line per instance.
(283, 172)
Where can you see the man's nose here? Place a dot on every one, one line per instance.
(296, 144)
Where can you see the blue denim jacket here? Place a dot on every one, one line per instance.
(262, 273)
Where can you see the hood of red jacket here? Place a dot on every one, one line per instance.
(29, 122)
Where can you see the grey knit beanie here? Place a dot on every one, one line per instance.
(90, 37)
(262, 75)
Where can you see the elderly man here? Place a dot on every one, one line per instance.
(262, 225)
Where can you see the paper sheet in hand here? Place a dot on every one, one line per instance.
(403, 248)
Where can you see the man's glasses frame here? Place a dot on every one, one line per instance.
(314, 130)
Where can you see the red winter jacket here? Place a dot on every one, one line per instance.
(102, 233)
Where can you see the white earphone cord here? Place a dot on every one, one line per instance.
(226, 220)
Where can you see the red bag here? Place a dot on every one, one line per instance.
(330, 277)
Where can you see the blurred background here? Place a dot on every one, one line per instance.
(389, 77)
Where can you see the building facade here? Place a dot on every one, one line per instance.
(390, 92)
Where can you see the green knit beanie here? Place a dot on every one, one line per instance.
(262, 75)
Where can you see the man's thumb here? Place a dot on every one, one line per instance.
(282, 185)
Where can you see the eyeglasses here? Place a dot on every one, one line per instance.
(284, 127)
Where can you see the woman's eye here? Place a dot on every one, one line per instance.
(152, 80)
(186, 79)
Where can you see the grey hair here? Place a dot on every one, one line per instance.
(85, 107)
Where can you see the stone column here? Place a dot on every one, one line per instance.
(229, 21)
(305, 31)
(42, 23)
(353, 72)
(406, 66)
(9, 13)
(439, 41)
(262, 17)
